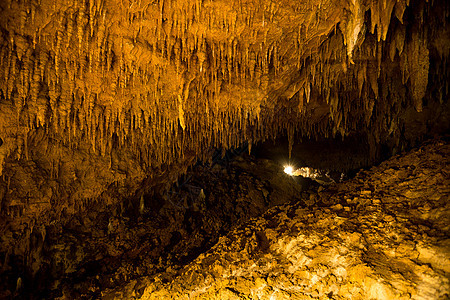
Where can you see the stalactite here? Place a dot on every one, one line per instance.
(253, 75)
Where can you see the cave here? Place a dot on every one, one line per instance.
(211, 149)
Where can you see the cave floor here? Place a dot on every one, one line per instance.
(242, 229)
(104, 248)
(381, 235)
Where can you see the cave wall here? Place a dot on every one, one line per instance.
(101, 100)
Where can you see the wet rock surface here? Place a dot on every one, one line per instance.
(382, 235)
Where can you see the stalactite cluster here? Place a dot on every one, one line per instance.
(165, 78)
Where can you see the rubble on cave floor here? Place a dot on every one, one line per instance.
(153, 234)
(382, 235)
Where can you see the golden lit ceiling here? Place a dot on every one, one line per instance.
(170, 79)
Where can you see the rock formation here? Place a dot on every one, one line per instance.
(382, 235)
(105, 101)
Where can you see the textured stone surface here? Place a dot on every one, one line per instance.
(102, 101)
(105, 247)
(141, 89)
(382, 235)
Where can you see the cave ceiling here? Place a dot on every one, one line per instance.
(164, 81)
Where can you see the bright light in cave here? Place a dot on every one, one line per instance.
(289, 170)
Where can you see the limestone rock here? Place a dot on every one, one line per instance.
(364, 254)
